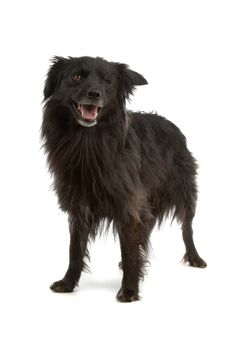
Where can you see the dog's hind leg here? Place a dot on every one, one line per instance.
(134, 243)
(77, 253)
(185, 211)
(191, 256)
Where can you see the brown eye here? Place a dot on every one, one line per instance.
(76, 77)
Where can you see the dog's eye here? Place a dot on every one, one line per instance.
(76, 77)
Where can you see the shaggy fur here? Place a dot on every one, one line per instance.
(112, 165)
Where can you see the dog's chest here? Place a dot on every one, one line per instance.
(98, 177)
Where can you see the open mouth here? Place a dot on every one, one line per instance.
(87, 113)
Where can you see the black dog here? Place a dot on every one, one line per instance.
(112, 165)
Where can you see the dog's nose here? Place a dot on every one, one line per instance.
(94, 94)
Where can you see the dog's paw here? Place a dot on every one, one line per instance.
(126, 295)
(194, 260)
(62, 286)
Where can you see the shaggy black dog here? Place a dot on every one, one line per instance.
(114, 166)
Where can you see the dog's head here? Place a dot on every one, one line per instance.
(88, 86)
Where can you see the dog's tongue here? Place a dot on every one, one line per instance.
(89, 112)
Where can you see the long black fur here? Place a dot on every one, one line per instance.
(130, 169)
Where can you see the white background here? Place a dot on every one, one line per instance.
(184, 49)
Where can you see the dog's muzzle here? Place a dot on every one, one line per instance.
(87, 113)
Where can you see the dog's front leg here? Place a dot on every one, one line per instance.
(77, 254)
(134, 240)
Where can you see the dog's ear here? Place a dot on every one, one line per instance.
(136, 78)
(128, 80)
(54, 75)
